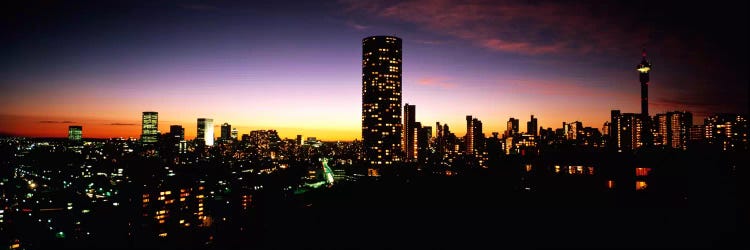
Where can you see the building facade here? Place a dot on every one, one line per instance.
(149, 127)
(409, 135)
(75, 133)
(205, 135)
(381, 100)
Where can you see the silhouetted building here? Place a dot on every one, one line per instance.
(474, 138)
(512, 128)
(469, 137)
(697, 133)
(423, 142)
(605, 129)
(299, 140)
(381, 99)
(234, 134)
(531, 126)
(644, 71)
(589, 136)
(177, 131)
(572, 130)
(176, 138)
(226, 132)
(150, 127)
(75, 133)
(410, 133)
(478, 137)
(205, 135)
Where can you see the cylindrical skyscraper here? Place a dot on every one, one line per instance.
(381, 99)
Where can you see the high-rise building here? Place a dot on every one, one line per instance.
(531, 126)
(423, 142)
(661, 130)
(440, 138)
(205, 135)
(626, 131)
(679, 129)
(75, 133)
(478, 137)
(673, 129)
(474, 139)
(177, 131)
(177, 138)
(149, 127)
(299, 140)
(409, 142)
(605, 129)
(727, 131)
(512, 128)
(469, 137)
(226, 132)
(234, 133)
(381, 100)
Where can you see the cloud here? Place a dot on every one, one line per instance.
(523, 27)
(356, 26)
(556, 88)
(528, 48)
(121, 124)
(429, 42)
(56, 121)
(435, 82)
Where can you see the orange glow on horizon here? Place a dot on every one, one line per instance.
(97, 128)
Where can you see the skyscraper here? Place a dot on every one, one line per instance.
(75, 133)
(478, 136)
(205, 136)
(531, 126)
(177, 132)
(626, 131)
(512, 127)
(469, 138)
(149, 127)
(226, 132)
(381, 100)
(177, 138)
(409, 142)
(423, 143)
(679, 128)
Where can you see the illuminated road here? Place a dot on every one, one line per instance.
(327, 172)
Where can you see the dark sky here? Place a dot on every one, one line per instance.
(99, 62)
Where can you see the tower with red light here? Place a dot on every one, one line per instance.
(644, 69)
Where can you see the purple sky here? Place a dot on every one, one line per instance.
(295, 66)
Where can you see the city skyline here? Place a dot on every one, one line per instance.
(234, 76)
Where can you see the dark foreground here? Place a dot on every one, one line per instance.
(688, 203)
